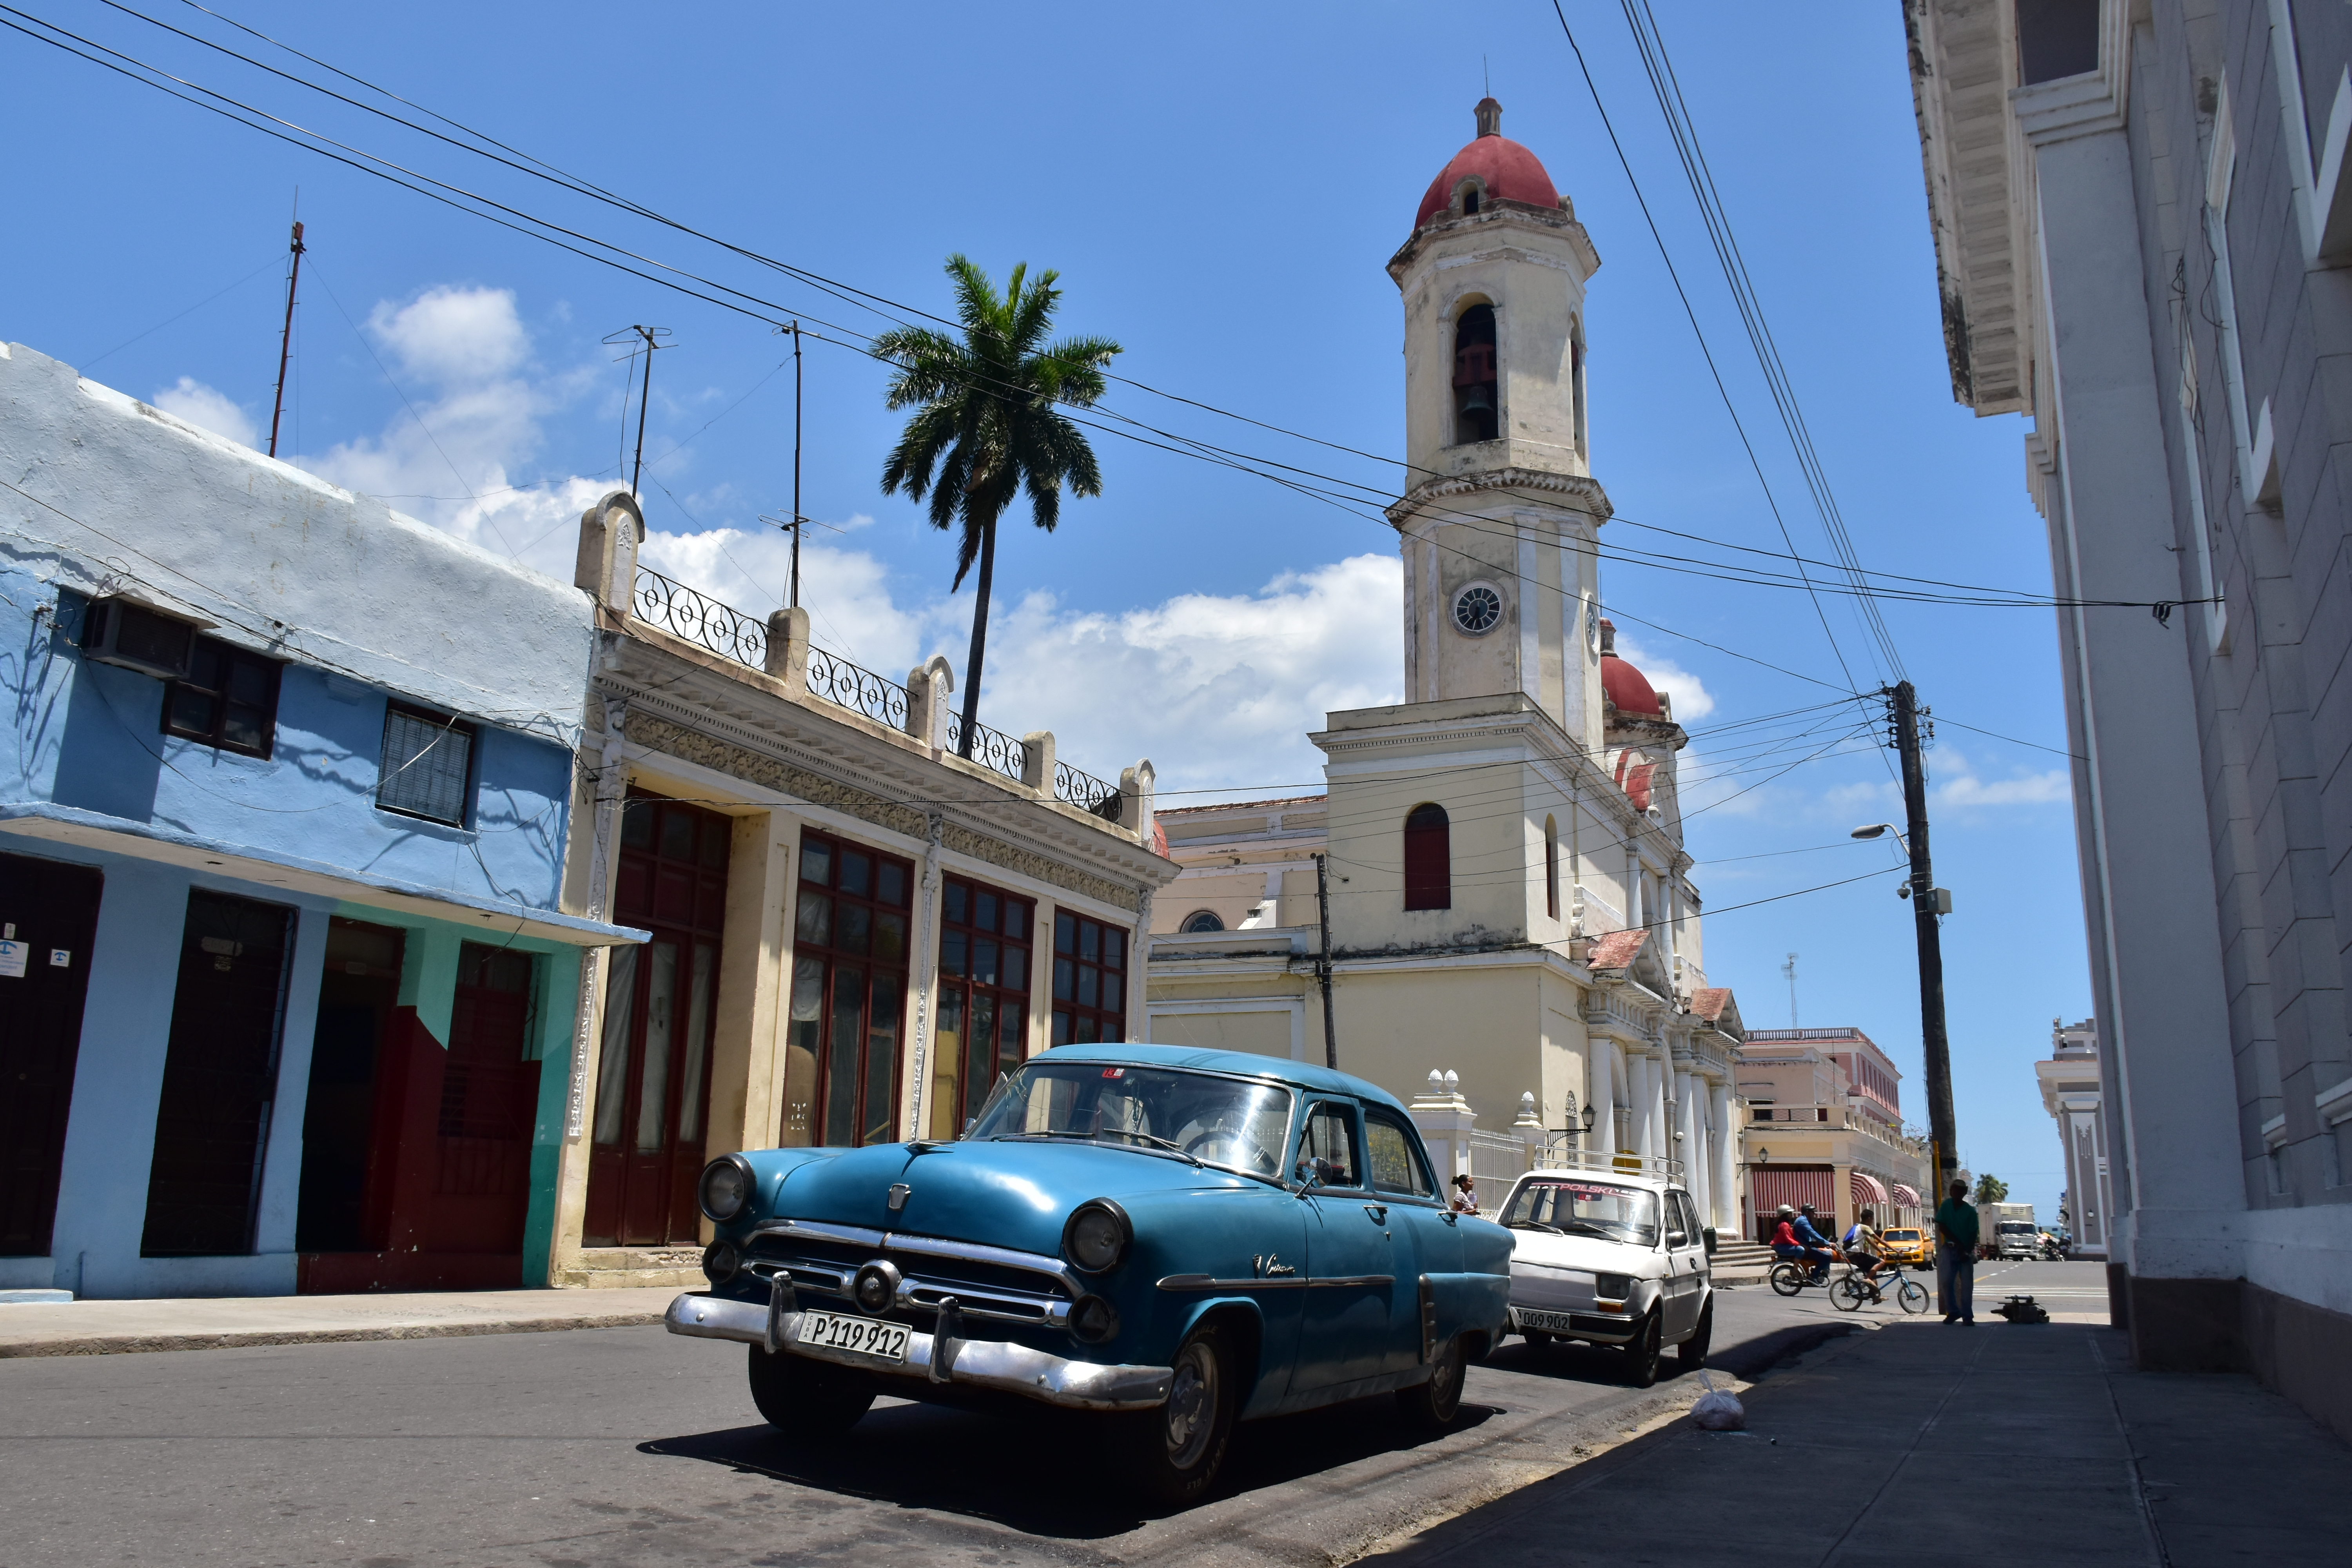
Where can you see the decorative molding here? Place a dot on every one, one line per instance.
(740, 761)
(1593, 501)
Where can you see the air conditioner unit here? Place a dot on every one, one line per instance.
(139, 637)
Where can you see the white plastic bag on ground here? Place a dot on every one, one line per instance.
(1718, 1409)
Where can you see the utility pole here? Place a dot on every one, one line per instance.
(796, 466)
(644, 396)
(286, 339)
(1323, 964)
(1903, 704)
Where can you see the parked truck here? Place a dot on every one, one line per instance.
(2007, 1230)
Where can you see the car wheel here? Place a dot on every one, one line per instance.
(1435, 1403)
(1691, 1355)
(806, 1399)
(1176, 1450)
(1641, 1350)
(1787, 1280)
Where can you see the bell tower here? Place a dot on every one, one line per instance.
(1501, 517)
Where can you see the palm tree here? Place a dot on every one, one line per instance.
(987, 425)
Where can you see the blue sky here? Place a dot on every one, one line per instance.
(1219, 189)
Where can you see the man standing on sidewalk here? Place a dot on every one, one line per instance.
(1955, 1255)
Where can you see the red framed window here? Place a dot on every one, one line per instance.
(1428, 859)
(986, 936)
(849, 996)
(1089, 980)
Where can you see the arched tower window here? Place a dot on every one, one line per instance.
(1475, 392)
(1428, 859)
(1552, 867)
(1202, 920)
(1470, 200)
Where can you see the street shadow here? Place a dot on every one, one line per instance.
(986, 1464)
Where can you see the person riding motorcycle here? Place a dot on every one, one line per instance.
(1794, 1237)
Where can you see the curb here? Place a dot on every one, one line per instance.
(239, 1338)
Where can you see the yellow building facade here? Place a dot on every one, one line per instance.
(1501, 871)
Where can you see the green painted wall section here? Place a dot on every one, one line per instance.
(558, 1010)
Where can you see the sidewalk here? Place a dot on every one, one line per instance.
(1929, 1445)
(108, 1328)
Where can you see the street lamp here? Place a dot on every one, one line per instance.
(1874, 830)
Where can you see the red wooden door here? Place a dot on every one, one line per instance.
(652, 1087)
(489, 1100)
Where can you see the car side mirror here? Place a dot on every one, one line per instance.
(1310, 1177)
(1712, 1243)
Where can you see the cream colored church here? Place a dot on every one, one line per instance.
(1508, 895)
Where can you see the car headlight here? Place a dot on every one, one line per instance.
(720, 1262)
(1096, 1236)
(726, 1187)
(1613, 1286)
(1094, 1320)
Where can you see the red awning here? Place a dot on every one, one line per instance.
(1772, 1185)
(1905, 1197)
(1867, 1189)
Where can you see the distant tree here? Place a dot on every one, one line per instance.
(987, 424)
(1991, 1190)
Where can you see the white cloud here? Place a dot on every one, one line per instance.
(2029, 789)
(1688, 694)
(208, 409)
(451, 335)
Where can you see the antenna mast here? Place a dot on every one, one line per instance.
(286, 339)
(796, 466)
(1790, 969)
(646, 396)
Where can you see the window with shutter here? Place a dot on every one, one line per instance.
(1428, 859)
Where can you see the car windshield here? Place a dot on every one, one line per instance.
(2015, 1228)
(1225, 1121)
(1569, 1207)
(1900, 1235)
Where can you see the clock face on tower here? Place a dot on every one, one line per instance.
(1477, 607)
(1593, 627)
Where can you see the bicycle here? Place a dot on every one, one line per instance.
(1851, 1289)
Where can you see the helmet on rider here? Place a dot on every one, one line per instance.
(1785, 1211)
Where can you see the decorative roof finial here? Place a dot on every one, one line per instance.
(1490, 116)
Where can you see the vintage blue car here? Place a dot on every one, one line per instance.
(1179, 1238)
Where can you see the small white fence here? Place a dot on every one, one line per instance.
(1493, 1161)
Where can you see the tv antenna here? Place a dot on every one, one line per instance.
(648, 334)
(1790, 969)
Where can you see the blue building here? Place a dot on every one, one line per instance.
(287, 1000)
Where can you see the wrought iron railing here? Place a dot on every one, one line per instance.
(1085, 792)
(837, 680)
(699, 618)
(992, 748)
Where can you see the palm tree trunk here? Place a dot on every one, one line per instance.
(979, 640)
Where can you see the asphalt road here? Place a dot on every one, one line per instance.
(629, 1446)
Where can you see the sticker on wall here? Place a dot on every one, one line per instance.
(59, 958)
(11, 958)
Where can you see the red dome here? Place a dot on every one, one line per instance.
(1628, 688)
(1509, 170)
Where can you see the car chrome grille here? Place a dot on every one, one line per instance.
(822, 1265)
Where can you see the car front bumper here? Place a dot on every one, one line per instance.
(984, 1363)
(1602, 1329)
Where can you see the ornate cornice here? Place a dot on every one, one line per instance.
(1585, 492)
(673, 738)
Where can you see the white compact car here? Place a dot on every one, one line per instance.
(1610, 1257)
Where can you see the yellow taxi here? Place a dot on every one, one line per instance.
(1907, 1245)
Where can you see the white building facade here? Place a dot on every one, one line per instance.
(2143, 242)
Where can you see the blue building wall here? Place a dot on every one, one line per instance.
(362, 607)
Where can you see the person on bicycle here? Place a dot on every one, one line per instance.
(1865, 1250)
(1788, 1243)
